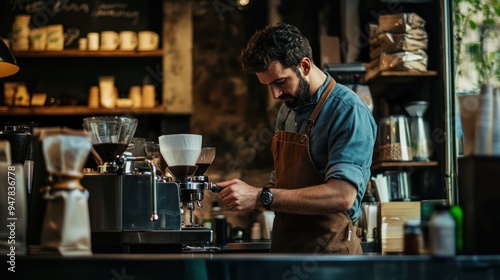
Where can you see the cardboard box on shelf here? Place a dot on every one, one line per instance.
(393, 216)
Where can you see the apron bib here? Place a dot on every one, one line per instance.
(294, 168)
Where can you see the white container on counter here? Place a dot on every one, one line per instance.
(442, 232)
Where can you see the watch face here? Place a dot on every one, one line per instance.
(266, 198)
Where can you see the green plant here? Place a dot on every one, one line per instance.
(480, 16)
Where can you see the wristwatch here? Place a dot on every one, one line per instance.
(266, 198)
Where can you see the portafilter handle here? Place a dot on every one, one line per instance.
(213, 187)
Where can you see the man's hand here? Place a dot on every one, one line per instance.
(238, 195)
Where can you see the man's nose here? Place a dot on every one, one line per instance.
(276, 92)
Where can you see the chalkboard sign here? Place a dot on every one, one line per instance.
(79, 17)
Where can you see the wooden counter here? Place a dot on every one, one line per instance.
(252, 266)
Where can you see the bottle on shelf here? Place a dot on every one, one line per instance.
(369, 215)
(457, 214)
(442, 232)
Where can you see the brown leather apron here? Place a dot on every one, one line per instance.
(294, 168)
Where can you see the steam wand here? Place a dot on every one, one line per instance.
(154, 215)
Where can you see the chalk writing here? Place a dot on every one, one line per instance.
(52, 7)
(71, 35)
(115, 10)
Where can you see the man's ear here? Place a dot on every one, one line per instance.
(306, 65)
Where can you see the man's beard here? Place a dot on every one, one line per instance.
(302, 96)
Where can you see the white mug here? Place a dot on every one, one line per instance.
(93, 41)
(128, 40)
(148, 41)
(109, 40)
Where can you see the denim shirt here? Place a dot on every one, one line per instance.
(342, 139)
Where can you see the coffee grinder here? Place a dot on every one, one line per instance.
(187, 162)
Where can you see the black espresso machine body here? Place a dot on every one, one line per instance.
(120, 210)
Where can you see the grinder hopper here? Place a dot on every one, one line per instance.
(111, 136)
(181, 152)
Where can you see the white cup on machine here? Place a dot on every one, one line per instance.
(128, 40)
(148, 41)
(109, 40)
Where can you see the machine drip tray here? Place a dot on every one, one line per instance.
(193, 235)
(149, 241)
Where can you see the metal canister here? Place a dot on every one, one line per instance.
(220, 230)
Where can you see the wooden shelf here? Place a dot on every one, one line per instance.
(393, 84)
(395, 165)
(78, 53)
(81, 110)
(392, 74)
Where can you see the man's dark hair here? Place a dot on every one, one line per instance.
(279, 42)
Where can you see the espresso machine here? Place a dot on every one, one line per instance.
(140, 212)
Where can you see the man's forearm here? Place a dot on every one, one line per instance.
(330, 197)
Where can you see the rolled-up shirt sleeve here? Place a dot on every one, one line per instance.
(351, 146)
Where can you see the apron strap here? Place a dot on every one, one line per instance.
(326, 93)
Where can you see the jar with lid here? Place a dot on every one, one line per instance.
(394, 142)
(442, 232)
(412, 237)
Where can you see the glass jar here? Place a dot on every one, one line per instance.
(394, 142)
(412, 237)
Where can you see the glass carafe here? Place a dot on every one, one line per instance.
(419, 131)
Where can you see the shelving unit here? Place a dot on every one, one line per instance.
(392, 91)
(80, 110)
(65, 77)
(79, 53)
